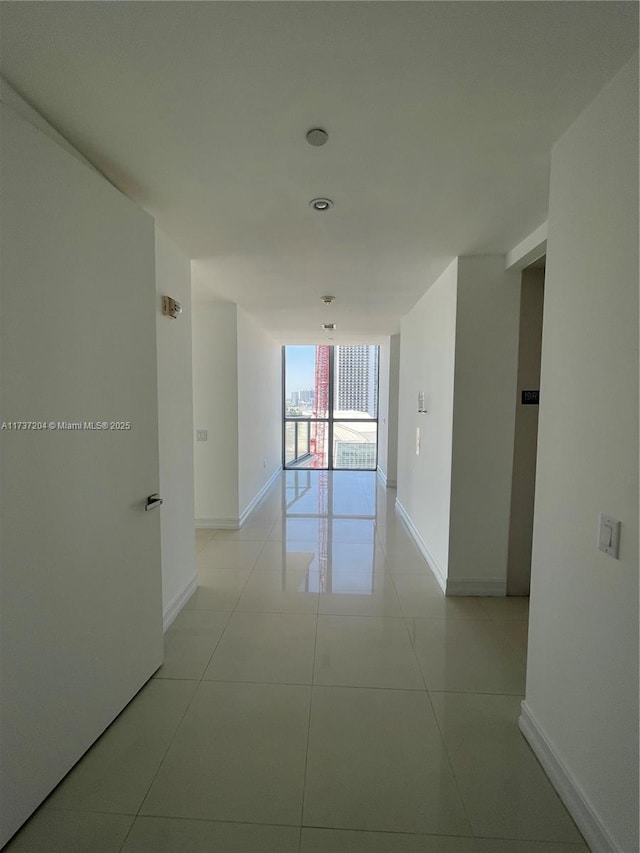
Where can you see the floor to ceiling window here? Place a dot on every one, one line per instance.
(330, 418)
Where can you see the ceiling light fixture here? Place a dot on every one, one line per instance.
(328, 327)
(327, 299)
(317, 136)
(321, 203)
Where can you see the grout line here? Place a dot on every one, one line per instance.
(478, 693)
(134, 818)
(164, 756)
(206, 667)
(306, 758)
(569, 845)
(254, 681)
(450, 763)
(189, 704)
(218, 820)
(230, 614)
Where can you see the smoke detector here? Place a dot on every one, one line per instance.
(321, 204)
(328, 327)
(327, 299)
(317, 136)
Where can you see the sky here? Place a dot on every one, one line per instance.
(300, 372)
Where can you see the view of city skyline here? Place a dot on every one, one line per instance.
(355, 379)
(347, 374)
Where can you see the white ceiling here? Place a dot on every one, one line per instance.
(440, 117)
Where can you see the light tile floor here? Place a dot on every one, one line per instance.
(319, 695)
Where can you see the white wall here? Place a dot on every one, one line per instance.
(237, 394)
(582, 677)
(175, 427)
(460, 346)
(427, 363)
(215, 406)
(487, 321)
(259, 410)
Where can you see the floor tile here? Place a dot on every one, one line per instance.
(350, 841)
(357, 556)
(115, 774)
(172, 835)
(353, 530)
(190, 642)
(239, 755)
(505, 791)
(228, 554)
(51, 831)
(354, 492)
(465, 655)
(290, 591)
(292, 556)
(219, 589)
(202, 538)
(360, 593)
(274, 647)
(406, 559)
(248, 532)
(365, 651)
(360, 841)
(300, 529)
(506, 607)
(510, 845)
(421, 596)
(376, 761)
(517, 632)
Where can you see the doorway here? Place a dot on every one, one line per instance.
(330, 407)
(526, 429)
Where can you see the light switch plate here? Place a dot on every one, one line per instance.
(609, 535)
(202, 435)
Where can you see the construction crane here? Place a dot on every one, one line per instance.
(320, 404)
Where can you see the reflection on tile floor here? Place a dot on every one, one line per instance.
(319, 695)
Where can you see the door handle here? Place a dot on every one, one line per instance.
(153, 501)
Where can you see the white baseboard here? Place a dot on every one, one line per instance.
(236, 523)
(437, 570)
(217, 523)
(462, 586)
(578, 805)
(490, 587)
(256, 500)
(178, 602)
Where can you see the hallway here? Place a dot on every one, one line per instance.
(319, 694)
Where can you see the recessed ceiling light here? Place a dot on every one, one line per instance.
(317, 136)
(321, 203)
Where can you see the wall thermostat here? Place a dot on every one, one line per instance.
(171, 308)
